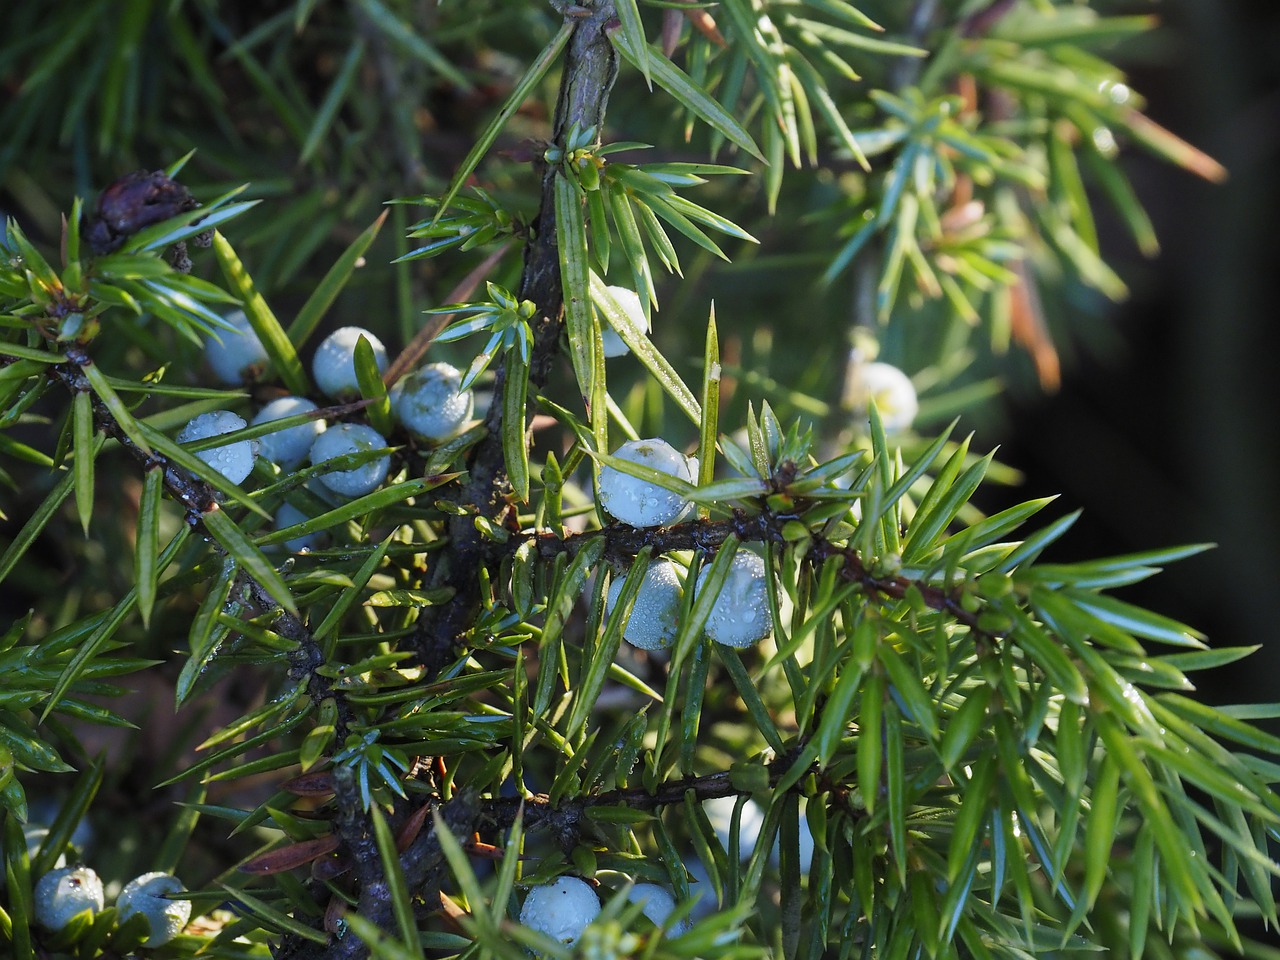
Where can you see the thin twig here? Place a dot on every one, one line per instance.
(197, 499)
(416, 348)
(624, 542)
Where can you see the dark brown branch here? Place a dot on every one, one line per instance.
(590, 68)
(422, 864)
(624, 542)
(566, 818)
(589, 71)
(197, 498)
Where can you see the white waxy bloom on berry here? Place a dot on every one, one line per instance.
(639, 502)
(287, 516)
(334, 365)
(561, 910)
(61, 894)
(658, 905)
(233, 460)
(235, 352)
(149, 896)
(290, 446)
(653, 624)
(720, 812)
(893, 392)
(341, 440)
(430, 402)
(629, 301)
(740, 616)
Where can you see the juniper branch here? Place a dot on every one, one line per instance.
(589, 73)
(198, 499)
(623, 543)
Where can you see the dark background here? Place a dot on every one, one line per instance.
(1175, 437)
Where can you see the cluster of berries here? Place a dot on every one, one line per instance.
(429, 403)
(564, 909)
(740, 616)
(65, 893)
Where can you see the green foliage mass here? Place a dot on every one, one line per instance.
(949, 745)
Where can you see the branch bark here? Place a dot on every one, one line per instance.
(623, 543)
(589, 73)
(198, 498)
(590, 69)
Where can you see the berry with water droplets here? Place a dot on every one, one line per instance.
(653, 623)
(62, 894)
(334, 365)
(639, 502)
(347, 438)
(149, 895)
(740, 615)
(233, 460)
